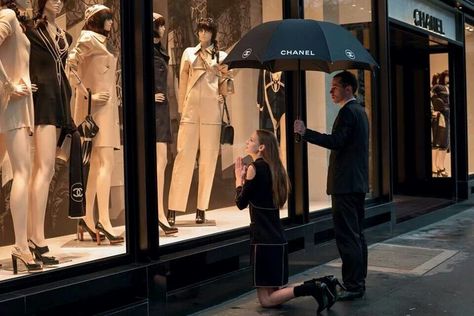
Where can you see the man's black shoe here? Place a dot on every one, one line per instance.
(350, 295)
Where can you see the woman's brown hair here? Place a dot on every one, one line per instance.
(96, 22)
(271, 155)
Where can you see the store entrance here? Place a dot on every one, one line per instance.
(421, 115)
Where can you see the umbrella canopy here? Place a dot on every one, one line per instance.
(300, 44)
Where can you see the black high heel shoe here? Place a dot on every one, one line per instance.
(167, 229)
(319, 292)
(171, 217)
(39, 252)
(112, 239)
(200, 216)
(81, 227)
(332, 282)
(27, 260)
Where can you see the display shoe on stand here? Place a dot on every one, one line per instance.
(442, 173)
(27, 259)
(171, 217)
(112, 238)
(200, 216)
(81, 227)
(167, 229)
(39, 252)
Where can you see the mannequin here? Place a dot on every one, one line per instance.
(440, 123)
(200, 106)
(162, 116)
(49, 47)
(271, 104)
(16, 124)
(92, 62)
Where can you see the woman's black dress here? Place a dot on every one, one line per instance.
(47, 61)
(162, 110)
(441, 132)
(269, 248)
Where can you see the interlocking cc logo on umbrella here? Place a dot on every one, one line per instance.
(246, 53)
(350, 54)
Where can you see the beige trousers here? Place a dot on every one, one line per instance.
(191, 137)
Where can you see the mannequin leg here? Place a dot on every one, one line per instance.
(3, 150)
(18, 147)
(441, 159)
(434, 160)
(209, 144)
(183, 168)
(161, 161)
(43, 172)
(104, 178)
(91, 188)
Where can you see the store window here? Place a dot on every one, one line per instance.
(356, 16)
(195, 172)
(469, 45)
(62, 192)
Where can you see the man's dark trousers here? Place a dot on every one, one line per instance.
(348, 216)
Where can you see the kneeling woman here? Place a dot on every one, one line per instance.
(263, 186)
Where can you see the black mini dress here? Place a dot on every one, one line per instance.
(47, 60)
(269, 248)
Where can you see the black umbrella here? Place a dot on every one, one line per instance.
(299, 44)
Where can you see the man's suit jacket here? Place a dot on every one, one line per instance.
(349, 145)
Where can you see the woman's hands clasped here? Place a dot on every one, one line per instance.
(240, 172)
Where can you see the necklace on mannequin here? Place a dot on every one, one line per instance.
(58, 48)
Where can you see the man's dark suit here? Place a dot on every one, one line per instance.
(347, 184)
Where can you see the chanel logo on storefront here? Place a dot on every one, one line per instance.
(426, 21)
(77, 192)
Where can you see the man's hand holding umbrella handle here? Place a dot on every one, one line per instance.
(160, 97)
(100, 98)
(299, 128)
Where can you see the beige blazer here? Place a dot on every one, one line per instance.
(199, 87)
(96, 68)
(14, 67)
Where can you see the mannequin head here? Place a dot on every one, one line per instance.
(98, 19)
(207, 30)
(45, 8)
(158, 26)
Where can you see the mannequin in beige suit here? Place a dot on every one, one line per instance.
(200, 106)
(96, 67)
(16, 123)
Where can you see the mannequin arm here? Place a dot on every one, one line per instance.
(83, 49)
(6, 22)
(183, 80)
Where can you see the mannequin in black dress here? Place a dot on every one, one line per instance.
(440, 123)
(49, 50)
(263, 186)
(162, 116)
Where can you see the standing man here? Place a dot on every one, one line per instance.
(347, 180)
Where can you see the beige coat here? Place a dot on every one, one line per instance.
(199, 105)
(14, 57)
(96, 67)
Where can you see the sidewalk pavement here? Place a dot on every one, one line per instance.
(427, 271)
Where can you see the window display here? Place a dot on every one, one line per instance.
(194, 170)
(56, 60)
(356, 16)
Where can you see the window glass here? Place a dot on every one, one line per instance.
(356, 16)
(195, 172)
(469, 38)
(62, 192)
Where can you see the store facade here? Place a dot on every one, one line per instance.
(157, 269)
